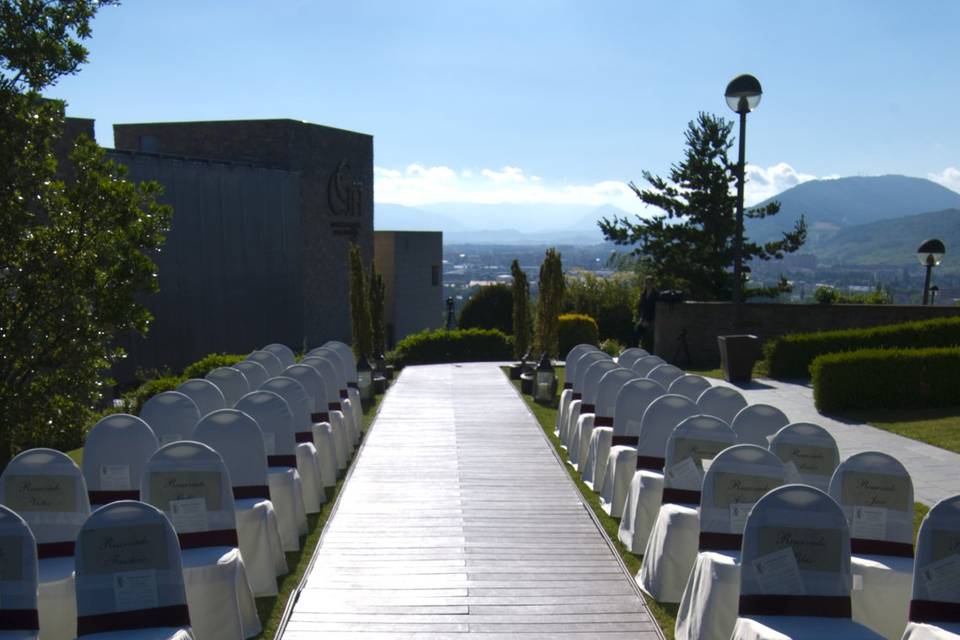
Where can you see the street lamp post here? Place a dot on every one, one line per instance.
(930, 253)
(743, 95)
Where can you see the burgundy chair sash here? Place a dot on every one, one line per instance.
(587, 408)
(173, 616)
(650, 463)
(932, 611)
(680, 496)
(568, 385)
(881, 548)
(320, 416)
(630, 441)
(713, 541)
(603, 421)
(105, 497)
(55, 549)
(19, 620)
(282, 461)
(784, 605)
(334, 406)
(216, 538)
(251, 491)
(576, 395)
(344, 394)
(304, 436)
(353, 385)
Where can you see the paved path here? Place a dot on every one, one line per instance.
(459, 519)
(935, 471)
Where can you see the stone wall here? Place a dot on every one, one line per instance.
(699, 323)
(412, 266)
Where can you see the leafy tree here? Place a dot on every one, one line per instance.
(359, 305)
(610, 300)
(549, 302)
(491, 307)
(378, 325)
(75, 257)
(521, 310)
(690, 245)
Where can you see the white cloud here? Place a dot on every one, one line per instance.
(507, 174)
(763, 183)
(949, 177)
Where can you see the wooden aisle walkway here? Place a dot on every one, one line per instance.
(459, 519)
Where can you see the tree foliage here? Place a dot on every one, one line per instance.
(609, 300)
(690, 244)
(75, 258)
(521, 310)
(491, 307)
(378, 323)
(549, 302)
(359, 305)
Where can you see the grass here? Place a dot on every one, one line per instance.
(939, 427)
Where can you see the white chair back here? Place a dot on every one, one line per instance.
(333, 381)
(283, 352)
(591, 383)
(876, 494)
(47, 490)
(205, 394)
(796, 545)
(665, 374)
(231, 382)
(128, 559)
(809, 452)
(573, 357)
(628, 356)
(756, 424)
(255, 372)
(658, 422)
(239, 441)
(632, 401)
(646, 364)
(722, 402)
(190, 483)
(610, 385)
(935, 590)
(689, 385)
(343, 365)
(114, 456)
(268, 360)
(275, 419)
(738, 477)
(299, 402)
(172, 415)
(346, 356)
(313, 383)
(583, 364)
(694, 440)
(18, 574)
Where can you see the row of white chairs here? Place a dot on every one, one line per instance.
(641, 433)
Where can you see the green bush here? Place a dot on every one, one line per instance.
(211, 361)
(574, 329)
(790, 356)
(829, 295)
(135, 399)
(458, 345)
(489, 308)
(611, 301)
(611, 347)
(887, 379)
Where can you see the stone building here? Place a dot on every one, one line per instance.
(411, 264)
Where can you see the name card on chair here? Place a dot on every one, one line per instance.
(189, 515)
(134, 590)
(942, 579)
(876, 490)
(697, 448)
(731, 488)
(779, 573)
(114, 477)
(11, 558)
(167, 486)
(869, 523)
(684, 475)
(139, 547)
(41, 493)
(813, 549)
(812, 460)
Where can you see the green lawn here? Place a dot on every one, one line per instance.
(939, 427)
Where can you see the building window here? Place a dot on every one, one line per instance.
(435, 275)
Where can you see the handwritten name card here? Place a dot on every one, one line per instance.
(41, 493)
(731, 488)
(809, 460)
(115, 549)
(876, 490)
(813, 549)
(167, 486)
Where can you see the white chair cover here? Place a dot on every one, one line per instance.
(646, 364)
(115, 454)
(172, 415)
(129, 575)
(190, 484)
(625, 464)
(205, 394)
(237, 438)
(795, 581)
(606, 404)
(690, 386)
(254, 372)
(283, 352)
(320, 434)
(737, 477)
(756, 424)
(348, 364)
(672, 515)
(18, 578)
(665, 374)
(570, 370)
(232, 383)
(628, 356)
(331, 368)
(876, 494)
(809, 452)
(579, 379)
(935, 603)
(328, 404)
(268, 360)
(722, 402)
(47, 490)
(577, 444)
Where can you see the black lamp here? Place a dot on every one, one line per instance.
(546, 380)
(930, 253)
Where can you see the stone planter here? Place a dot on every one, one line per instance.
(738, 353)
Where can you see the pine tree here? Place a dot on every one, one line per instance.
(377, 291)
(549, 302)
(521, 310)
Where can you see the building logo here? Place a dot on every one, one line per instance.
(345, 199)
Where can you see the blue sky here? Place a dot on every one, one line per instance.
(553, 102)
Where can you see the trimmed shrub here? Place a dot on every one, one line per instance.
(611, 347)
(138, 397)
(209, 362)
(458, 345)
(576, 328)
(489, 308)
(790, 356)
(886, 379)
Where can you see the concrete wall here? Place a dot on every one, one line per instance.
(409, 260)
(704, 321)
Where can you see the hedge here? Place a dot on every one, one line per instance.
(887, 379)
(574, 329)
(790, 356)
(211, 361)
(458, 345)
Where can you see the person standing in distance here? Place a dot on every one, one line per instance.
(646, 313)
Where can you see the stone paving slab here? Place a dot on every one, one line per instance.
(458, 519)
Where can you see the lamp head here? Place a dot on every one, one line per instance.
(931, 252)
(743, 93)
